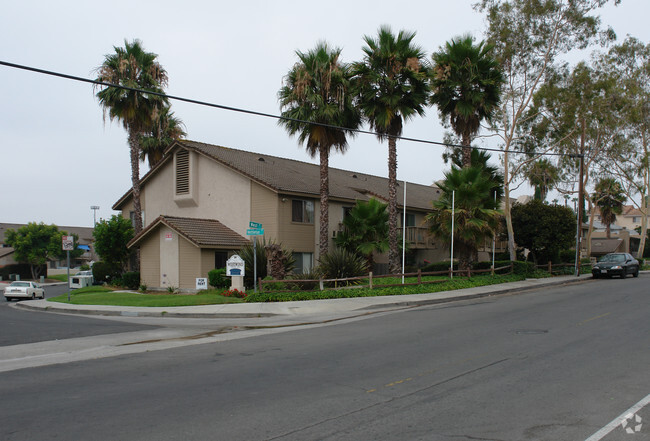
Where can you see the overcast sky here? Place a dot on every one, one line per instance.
(57, 155)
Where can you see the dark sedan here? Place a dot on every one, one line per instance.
(616, 264)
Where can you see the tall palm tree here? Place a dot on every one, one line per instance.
(365, 230)
(392, 88)
(166, 129)
(543, 176)
(466, 86)
(609, 198)
(317, 90)
(130, 66)
(468, 192)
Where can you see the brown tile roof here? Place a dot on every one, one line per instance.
(290, 176)
(204, 233)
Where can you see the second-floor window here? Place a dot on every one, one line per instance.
(302, 211)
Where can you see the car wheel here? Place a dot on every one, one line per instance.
(33, 296)
(8, 299)
(636, 273)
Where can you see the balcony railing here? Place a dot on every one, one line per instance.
(417, 236)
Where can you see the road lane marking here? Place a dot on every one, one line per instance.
(593, 318)
(602, 433)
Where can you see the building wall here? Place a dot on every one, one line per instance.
(189, 264)
(219, 192)
(150, 261)
(264, 208)
(297, 236)
(169, 258)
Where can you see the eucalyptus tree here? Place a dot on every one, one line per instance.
(318, 106)
(465, 85)
(392, 88)
(166, 129)
(467, 203)
(528, 36)
(580, 112)
(131, 67)
(630, 63)
(608, 196)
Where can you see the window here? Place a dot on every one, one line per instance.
(132, 217)
(183, 172)
(304, 262)
(220, 258)
(636, 219)
(410, 220)
(302, 211)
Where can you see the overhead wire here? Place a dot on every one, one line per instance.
(257, 113)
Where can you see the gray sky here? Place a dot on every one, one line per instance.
(57, 157)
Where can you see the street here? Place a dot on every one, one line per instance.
(553, 364)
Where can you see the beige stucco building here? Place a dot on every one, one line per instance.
(200, 183)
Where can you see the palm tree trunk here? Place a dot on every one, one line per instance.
(324, 201)
(467, 150)
(134, 145)
(393, 251)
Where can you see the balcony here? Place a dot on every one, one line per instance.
(417, 237)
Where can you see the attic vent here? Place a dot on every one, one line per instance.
(354, 176)
(261, 159)
(183, 172)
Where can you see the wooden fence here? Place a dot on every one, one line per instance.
(370, 281)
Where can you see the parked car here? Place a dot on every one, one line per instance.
(24, 290)
(616, 264)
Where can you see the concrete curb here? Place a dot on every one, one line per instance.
(309, 307)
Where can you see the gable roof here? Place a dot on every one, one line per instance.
(203, 233)
(284, 175)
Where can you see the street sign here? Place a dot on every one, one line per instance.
(255, 225)
(67, 243)
(255, 232)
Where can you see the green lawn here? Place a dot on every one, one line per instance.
(97, 295)
(59, 277)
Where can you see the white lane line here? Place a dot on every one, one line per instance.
(602, 433)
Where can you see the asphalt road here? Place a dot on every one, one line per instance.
(555, 364)
(20, 327)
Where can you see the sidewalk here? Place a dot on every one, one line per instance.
(333, 307)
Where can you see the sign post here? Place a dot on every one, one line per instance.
(255, 229)
(67, 243)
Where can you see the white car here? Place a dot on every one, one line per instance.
(24, 290)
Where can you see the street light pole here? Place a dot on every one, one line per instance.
(94, 208)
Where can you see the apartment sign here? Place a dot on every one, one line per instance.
(235, 266)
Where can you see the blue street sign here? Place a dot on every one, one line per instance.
(254, 225)
(255, 232)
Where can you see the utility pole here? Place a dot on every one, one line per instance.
(94, 208)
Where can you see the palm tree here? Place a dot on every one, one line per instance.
(609, 197)
(365, 230)
(543, 175)
(317, 90)
(475, 213)
(466, 86)
(392, 88)
(132, 67)
(166, 129)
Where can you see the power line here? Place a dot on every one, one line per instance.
(249, 112)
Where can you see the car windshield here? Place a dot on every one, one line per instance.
(613, 258)
(20, 284)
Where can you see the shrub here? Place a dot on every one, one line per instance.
(105, 272)
(275, 286)
(234, 293)
(488, 264)
(143, 288)
(523, 268)
(131, 280)
(84, 267)
(339, 264)
(439, 266)
(217, 278)
(312, 276)
(246, 253)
